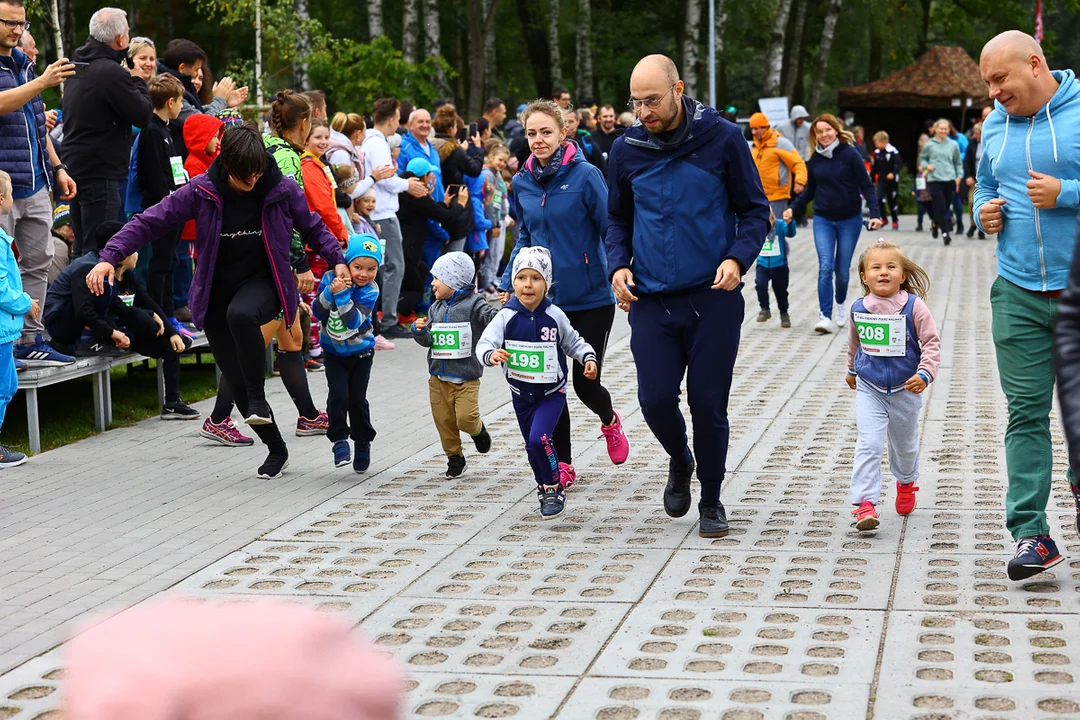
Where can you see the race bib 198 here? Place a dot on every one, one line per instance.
(451, 341)
(532, 362)
(882, 335)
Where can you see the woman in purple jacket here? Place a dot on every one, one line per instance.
(245, 211)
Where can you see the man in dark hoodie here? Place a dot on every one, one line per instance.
(100, 107)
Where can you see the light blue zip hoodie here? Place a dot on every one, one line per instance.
(1035, 246)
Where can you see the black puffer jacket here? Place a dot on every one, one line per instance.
(1067, 359)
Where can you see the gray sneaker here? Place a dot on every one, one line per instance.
(785, 320)
(763, 316)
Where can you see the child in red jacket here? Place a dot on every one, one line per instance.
(202, 135)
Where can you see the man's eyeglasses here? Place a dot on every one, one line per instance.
(13, 24)
(649, 102)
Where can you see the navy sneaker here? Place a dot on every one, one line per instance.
(552, 501)
(39, 354)
(1032, 556)
(361, 457)
(341, 453)
(1076, 500)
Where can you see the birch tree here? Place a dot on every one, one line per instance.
(719, 25)
(553, 43)
(490, 76)
(584, 49)
(691, 43)
(303, 46)
(374, 18)
(432, 43)
(410, 31)
(828, 31)
(774, 58)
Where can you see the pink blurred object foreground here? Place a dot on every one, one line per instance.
(259, 660)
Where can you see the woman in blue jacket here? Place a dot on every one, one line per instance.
(837, 183)
(562, 206)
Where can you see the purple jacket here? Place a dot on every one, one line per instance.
(285, 209)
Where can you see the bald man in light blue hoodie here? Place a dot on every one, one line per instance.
(1028, 191)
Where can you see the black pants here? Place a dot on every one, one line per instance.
(97, 201)
(346, 400)
(594, 326)
(888, 195)
(941, 197)
(233, 326)
(66, 328)
(159, 284)
(779, 277)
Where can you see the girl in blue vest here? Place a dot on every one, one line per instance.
(532, 338)
(893, 354)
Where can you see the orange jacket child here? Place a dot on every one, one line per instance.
(319, 189)
(199, 131)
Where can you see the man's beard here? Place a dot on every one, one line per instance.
(668, 123)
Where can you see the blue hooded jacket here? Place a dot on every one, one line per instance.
(677, 209)
(14, 303)
(477, 239)
(411, 148)
(1035, 247)
(781, 230)
(567, 215)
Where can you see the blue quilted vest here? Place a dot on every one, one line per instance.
(890, 373)
(15, 135)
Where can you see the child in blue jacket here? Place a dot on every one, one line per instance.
(532, 338)
(772, 265)
(14, 304)
(345, 310)
(476, 243)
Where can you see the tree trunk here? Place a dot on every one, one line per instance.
(536, 45)
(924, 28)
(553, 43)
(877, 51)
(691, 44)
(58, 39)
(828, 31)
(718, 58)
(432, 43)
(584, 49)
(774, 58)
(410, 31)
(68, 26)
(374, 18)
(490, 76)
(798, 32)
(476, 59)
(303, 47)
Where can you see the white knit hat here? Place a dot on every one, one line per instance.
(455, 269)
(534, 258)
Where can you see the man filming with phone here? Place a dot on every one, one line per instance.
(28, 156)
(101, 104)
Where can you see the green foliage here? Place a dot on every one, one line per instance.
(361, 74)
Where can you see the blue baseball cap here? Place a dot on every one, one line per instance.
(418, 167)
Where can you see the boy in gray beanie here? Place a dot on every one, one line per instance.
(456, 319)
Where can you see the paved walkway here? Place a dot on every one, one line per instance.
(614, 611)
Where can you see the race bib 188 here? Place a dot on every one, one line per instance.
(882, 335)
(451, 341)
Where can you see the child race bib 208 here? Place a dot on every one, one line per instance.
(882, 335)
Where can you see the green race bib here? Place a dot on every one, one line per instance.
(337, 329)
(532, 362)
(882, 335)
(179, 175)
(451, 341)
(771, 248)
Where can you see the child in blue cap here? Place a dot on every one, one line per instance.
(345, 309)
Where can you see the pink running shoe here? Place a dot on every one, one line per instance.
(618, 445)
(318, 426)
(567, 475)
(225, 433)
(381, 343)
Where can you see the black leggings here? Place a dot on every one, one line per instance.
(159, 285)
(941, 198)
(594, 326)
(233, 327)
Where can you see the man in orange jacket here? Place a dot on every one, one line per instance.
(777, 162)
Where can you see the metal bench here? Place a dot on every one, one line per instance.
(99, 367)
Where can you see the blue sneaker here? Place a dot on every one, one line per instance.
(39, 354)
(19, 365)
(341, 453)
(552, 501)
(361, 457)
(1033, 555)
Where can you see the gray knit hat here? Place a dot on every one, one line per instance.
(534, 258)
(455, 269)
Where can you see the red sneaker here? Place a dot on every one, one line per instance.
(567, 475)
(905, 498)
(407, 319)
(865, 517)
